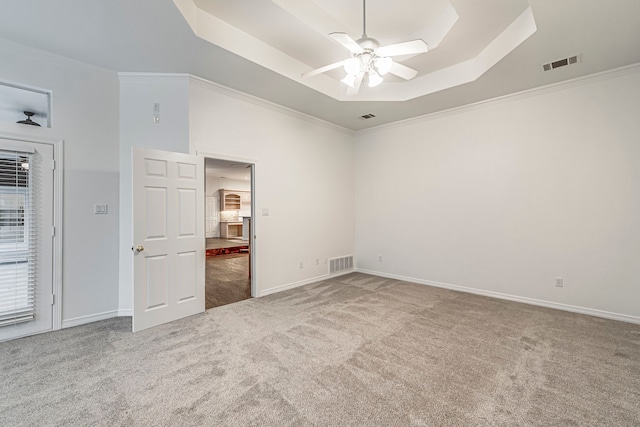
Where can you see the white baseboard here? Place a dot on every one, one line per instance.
(77, 321)
(302, 283)
(549, 304)
(126, 312)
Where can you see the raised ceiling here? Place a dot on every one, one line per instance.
(464, 40)
(153, 36)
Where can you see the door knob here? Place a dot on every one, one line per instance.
(139, 248)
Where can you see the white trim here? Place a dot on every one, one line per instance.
(125, 312)
(58, 157)
(226, 157)
(132, 77)
(45, 55)
(531, 301)
(260, 102)
(302, 283)
(58, 204)
(25, 335)
(538, 91)
(82, 320)
(234, 93)
(252, 241)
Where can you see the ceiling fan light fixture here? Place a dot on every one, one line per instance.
(349, 80)
(352, 66)
(383, 65)
(369, 61)
(374, 79)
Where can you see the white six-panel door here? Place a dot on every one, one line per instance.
(168, 232)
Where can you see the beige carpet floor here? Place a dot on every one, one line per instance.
(357, 350)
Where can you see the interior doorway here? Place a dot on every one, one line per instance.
(228, 231)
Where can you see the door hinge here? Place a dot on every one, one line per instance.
(53, 164)
(53, 231)
(53, 299)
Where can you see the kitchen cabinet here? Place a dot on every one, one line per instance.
(245, 201)
(230, 229)
(230, 200)
(235, 200)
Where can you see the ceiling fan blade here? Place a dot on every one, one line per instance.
(351, 91)
(403, 71)
(346, 41)
(406, 48)
(322, 69)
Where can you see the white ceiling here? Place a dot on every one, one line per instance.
(228, 169)
(465, 39)
(153, 36)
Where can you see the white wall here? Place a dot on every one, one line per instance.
(506, 196)
(85, 116)
(303, 176)
(138, 94)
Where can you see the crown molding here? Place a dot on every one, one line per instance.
(516, 96)
(260, 102)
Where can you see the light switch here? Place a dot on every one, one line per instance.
(100, 208)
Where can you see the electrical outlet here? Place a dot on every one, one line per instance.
(301, 264)
(379, 258)
(559, 282)
(317, 261)
(265, 212)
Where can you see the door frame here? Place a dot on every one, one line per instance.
(252, 236)
(58, 159)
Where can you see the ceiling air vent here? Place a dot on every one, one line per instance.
(367, 116)
(561, 63)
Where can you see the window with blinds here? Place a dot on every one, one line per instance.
(17, 239)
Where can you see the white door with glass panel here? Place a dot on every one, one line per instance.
(168, 237)
(26, 238)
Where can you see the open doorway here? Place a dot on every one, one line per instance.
(228, 201)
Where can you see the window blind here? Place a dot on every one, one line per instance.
(17, 238)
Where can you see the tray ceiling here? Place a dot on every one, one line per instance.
(291, 37)
(153, 36)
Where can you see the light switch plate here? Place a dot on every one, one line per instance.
(100, 208)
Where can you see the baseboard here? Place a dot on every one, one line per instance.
(302, 283)
(127, 312)
(531, 301)
(77, 321)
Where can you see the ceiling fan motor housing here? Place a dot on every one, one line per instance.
(368, 43)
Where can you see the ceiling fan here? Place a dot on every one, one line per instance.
(369, 60)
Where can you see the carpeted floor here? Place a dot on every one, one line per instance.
(357, 350)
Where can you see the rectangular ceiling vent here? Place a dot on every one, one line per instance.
(367, 116)
(337, 265)
(562, 62)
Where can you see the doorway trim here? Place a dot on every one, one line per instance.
(58, 168)
(253, 234)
